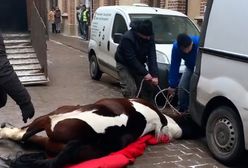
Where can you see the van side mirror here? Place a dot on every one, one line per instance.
(117, 37)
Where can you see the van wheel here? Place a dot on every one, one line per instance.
(95, 72)
(224, 133)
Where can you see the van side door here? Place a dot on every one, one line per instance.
(119, 28)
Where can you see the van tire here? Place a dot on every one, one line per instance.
(224, 133)
(95, 72)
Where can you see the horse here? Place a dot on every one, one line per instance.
(79, 133)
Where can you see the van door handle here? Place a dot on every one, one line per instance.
(108, 45)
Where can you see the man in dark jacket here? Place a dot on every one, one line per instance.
(137, 48)
(11, 85)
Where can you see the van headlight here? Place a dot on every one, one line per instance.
(162, 58)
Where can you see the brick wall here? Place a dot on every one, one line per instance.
(95, 5)
(111, 2)
(177, 5)
(202, 7)
(162, 3)
(72, 9)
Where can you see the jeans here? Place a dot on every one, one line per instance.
(183, 90)
(85, 29)
(130, 84)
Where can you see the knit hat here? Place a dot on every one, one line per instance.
(143, 27)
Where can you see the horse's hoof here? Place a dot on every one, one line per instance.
(3, 125)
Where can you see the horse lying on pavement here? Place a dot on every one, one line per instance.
(79, 133)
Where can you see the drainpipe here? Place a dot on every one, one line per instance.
(186, 7)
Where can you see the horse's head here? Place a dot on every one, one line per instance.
(172, 129)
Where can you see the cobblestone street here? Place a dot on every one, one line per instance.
(70, 84)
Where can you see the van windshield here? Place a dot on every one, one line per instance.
(167, 27)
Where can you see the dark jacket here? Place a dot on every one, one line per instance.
(133, 52)
(11, 85)
(6, 69)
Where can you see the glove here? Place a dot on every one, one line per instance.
(27, 111)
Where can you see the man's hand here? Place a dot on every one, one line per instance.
(155, 81)
(148, 77)
(171, 92)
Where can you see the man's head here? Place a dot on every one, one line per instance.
(184, 42)
(144, 29)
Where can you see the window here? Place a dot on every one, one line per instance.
(119, 26)
(166, 27)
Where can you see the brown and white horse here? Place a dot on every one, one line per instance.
(78, 133)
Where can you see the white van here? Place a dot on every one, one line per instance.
(110, 22)
(219, 88)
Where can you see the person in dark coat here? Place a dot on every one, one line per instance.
(11, 85)
(57, 19)
(136, 49)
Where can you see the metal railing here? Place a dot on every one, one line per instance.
(39, 33)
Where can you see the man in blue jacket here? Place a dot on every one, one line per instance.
(184, 48)
(137, 48)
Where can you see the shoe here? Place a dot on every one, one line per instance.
(175, 114)
(171, 113)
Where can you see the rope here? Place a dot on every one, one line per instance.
(141, 85)
(167, 98)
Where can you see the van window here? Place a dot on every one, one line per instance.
(166, 28)
(119, 25)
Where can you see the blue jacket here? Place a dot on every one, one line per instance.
(176, 58)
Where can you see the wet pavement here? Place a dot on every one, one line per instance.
(70, 84)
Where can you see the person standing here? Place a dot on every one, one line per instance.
(57, 16)
(51, 19)
(136, 48)
(184, 48)
(85, 19)
(11, 85)
(78, 14)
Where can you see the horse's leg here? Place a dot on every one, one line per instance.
(52, 148)
(11, 132)
(74, 152)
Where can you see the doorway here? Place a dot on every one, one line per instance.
(13, 16)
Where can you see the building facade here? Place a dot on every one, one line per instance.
(193, 8)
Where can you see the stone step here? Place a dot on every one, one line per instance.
(24, 61)
(35, 79)
(21, 56)
(17, 42)
(20, 50)
(17, 47)
(9, 36)
(27, 67)
(29, 72)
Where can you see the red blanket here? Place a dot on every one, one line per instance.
(123, 157)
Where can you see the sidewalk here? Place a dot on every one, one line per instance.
(71, 41)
